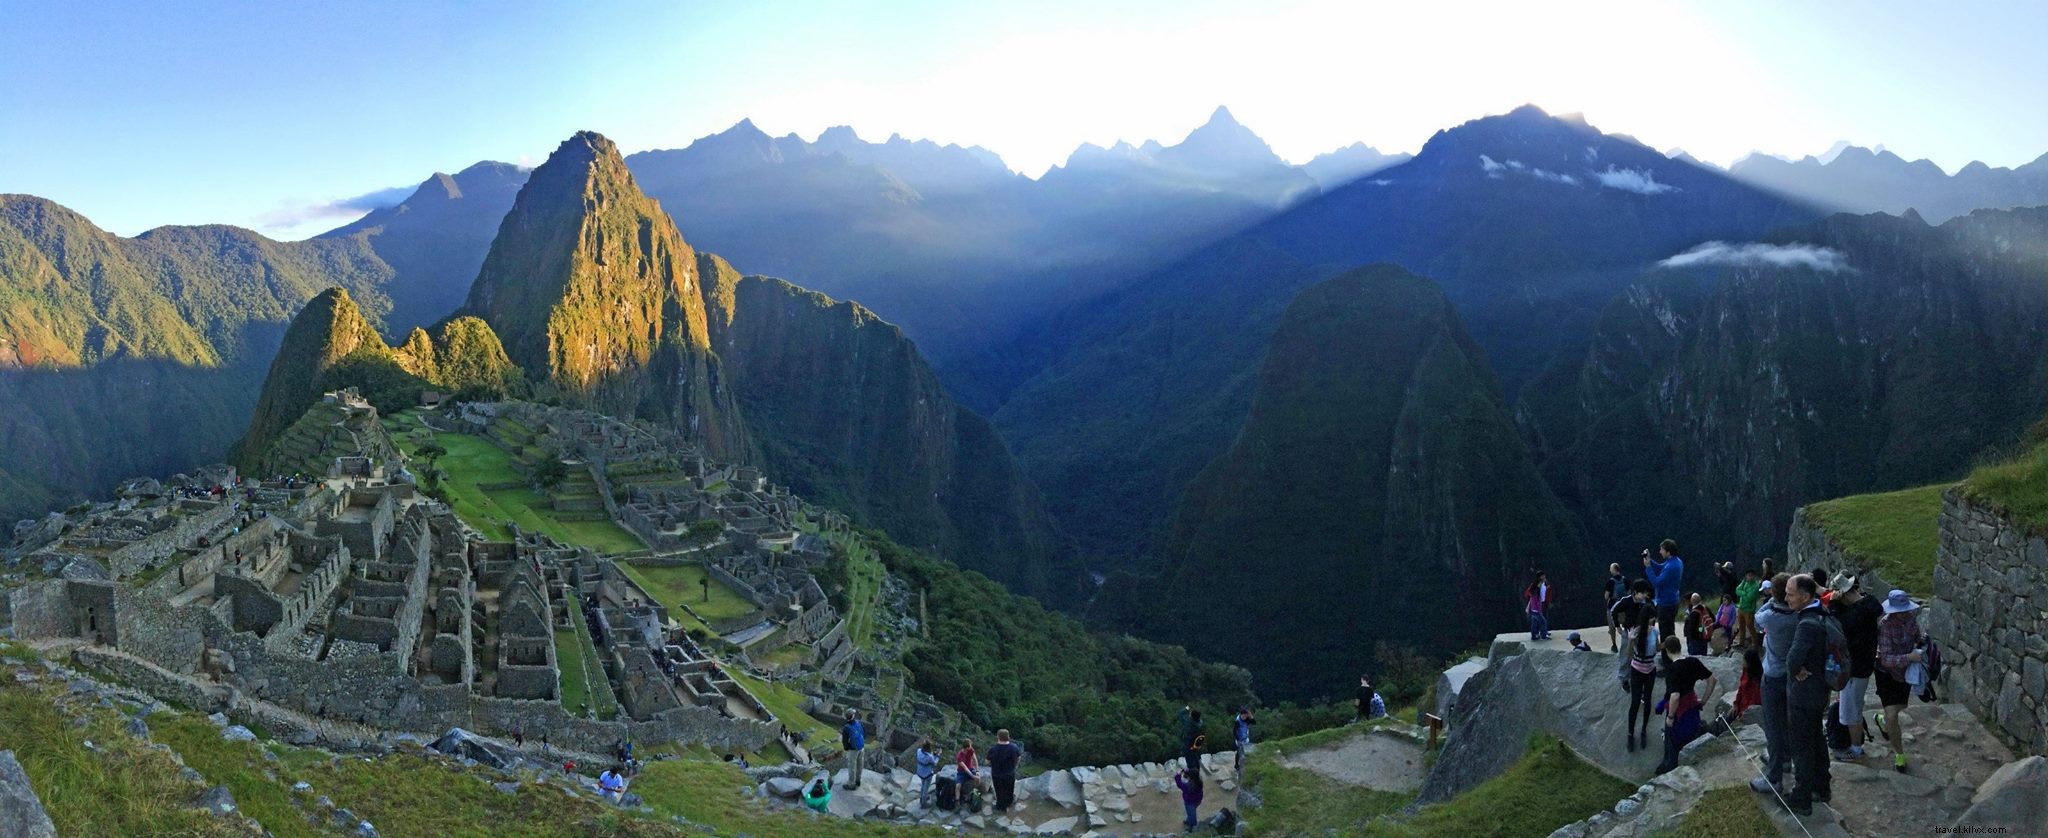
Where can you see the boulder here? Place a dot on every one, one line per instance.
(217, 800)
(461, 743)
(21, 812)
(1060, 788)
(784, 786)
(237, 733)
(2014, 799)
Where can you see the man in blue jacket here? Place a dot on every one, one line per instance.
(852, 738)
(1667, 574)
(1777, 622)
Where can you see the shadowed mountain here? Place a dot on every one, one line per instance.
(436, 239)
(1528, 222)
(1377, 477)
(1857, 354)
(1856, 179)
(1333, 169)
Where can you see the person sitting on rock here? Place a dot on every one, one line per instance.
(818, 796)
(612, 783)
(1683, 697)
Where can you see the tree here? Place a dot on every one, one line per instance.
(550, 472)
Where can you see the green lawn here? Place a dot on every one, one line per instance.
(583, 678)
(473, 462)
(2019, 487)
(1895, 531)
(117, 787)
(709, 793)
(1548, 788)
(674, 586)
(787, 705)
(864, 582)
(1297, 801)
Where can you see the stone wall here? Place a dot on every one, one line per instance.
(42, 609)
(1809, 549)
(1994, 634)
(200, 518)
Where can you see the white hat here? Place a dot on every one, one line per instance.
(1766, 585)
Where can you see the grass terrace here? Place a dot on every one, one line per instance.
(582, 676)
(1895, 531)
(474, 462)
(1734, 812)
(787, 705)
(709, 792)
(1548, 788)
(864, 575)
(683, 584)
(2018, 487)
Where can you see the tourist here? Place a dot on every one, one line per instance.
(1721, 637)
(1749, 690)
(1617, 590)
(853, 738)
(1370, 705)
(1190, 783)
(965, 768)
(1577, 643)
(1806, 696)
(1774, 622)
(927, 765)
(1725, 572)
(819, 796)
(1241, 734)
(1696, 620)
(1537, 597)
(1002, 769)
(612, 783)
(1683, 698)
(1898, 649)
(1666, 573)
(1192, 739)
(1859, 614)
(1639, 667)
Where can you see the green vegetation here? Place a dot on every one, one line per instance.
(1897, 531)
(116, 787)
(586, 683)
(787, 705)
(710, 793)
(1548, 788)
(472, 462)
(683, 584)
(1733, 812)
(1297, 801)
(2018, 487)
(857, 574)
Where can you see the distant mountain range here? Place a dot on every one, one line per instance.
(1855, 179)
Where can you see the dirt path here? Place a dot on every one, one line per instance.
(1378, 761)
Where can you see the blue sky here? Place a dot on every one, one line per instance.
(270, 115)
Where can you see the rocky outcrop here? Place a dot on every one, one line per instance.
(21, 812)
(2013, 801)
(1992, 574)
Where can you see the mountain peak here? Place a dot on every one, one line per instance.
(1530, 111)
(837, 138)
(1221, 117)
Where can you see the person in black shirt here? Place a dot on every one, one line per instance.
(1859, 615)
(1002, 767)
(1617, 590)
(1683, 699)
(1729, 579)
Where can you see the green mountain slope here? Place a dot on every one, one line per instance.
(1377, 491)
(594, 292)
(843, 407)
(1875, 353)
(435, 240)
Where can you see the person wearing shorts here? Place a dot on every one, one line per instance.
(1859, 615)
(1898, 649)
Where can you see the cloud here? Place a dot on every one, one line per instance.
(1494, 169)
(1491, 168)
(1639, 181)
(293, 216)
(1556, 177)
(1757, 254)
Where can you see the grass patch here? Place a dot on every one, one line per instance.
(710, 793)
(595, 687)
(1895, 531)
(473, 462)
(1732, 812)
(1548, 788)
(117, 787)
(242, 767)
(864, 574)
(790, 653)
(787, 705)
(575, 681)
(1301, 802)
(407, 794)
(683, 584)
(2018, 487)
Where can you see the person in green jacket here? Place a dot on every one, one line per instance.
(1746, 595)
(819, 795)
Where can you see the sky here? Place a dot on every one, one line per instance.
(293, 118)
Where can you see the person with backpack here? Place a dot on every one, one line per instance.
(1192, 739)
(1190, 783)
(1859, 615)
(1810, 664)
(853, 738)
(1639, 666)
(1537, 597)
(1746, 595)
(1666, 573)
(964, 768)
(1697, 622)
(1684, 695)
(1898, 649)
(1370, 705)
(1617, 590)
(927, 766)
(1775, 622)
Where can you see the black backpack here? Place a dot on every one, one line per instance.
(948, 793)
(1838, 735)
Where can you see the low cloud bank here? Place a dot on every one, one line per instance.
(1758, 254)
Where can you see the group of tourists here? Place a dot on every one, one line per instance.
(1810, 653)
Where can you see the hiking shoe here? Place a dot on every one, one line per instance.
(1844, 756)
(1805, 811)
(1877, 721)
(1856, 752)
(1762, 786)
(1899, 763)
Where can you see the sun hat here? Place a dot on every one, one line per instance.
(1897, 602)
(1766, 585)
(1842, 583)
